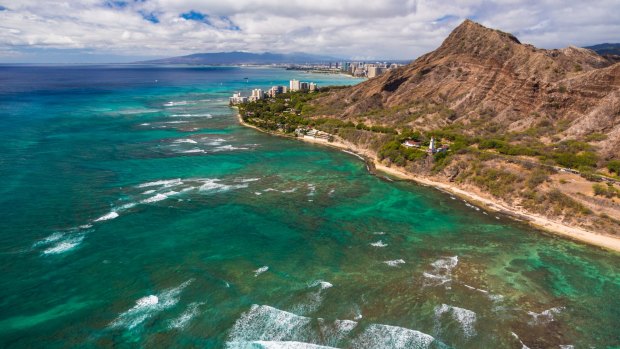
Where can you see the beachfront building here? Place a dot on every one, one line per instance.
(294, 85)
(237, 98)
(257, 94)
(276, 90)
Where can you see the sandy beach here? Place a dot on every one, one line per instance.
(540, 222)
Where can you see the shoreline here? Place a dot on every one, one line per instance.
(542, 223)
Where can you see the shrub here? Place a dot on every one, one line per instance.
(614, 166)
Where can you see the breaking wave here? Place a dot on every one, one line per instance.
(64, 245)
(466, 318)
(442, 272)
(166, 183)
(183, 320)
(384, 336)
(107, 217)
(266, 327)
(260, 270)
(395, 263)
(185, 140)
(149, 306)
(545, 316)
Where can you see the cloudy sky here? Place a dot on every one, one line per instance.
(128, 30)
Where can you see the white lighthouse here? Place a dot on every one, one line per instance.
(431, 146)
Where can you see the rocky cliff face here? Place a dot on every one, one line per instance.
(488, 77)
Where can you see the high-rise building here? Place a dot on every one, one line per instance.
(257, 94)
(294, 85)
(276, 90)
(304, 86)
(345, 66)
(237, 98)
(313, 86)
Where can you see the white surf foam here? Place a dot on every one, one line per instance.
(229, 147)
(274, 345)
(107, 217)
(393, 337)
(335, 332)
(214, 185)
(148, 306)
(545, 316)
(175, 103)
(148, 192)
(193, 309)
(260, 270)
(186, 140)
(246, 180)
(465, 317)
(217, 141)
(265, 323)
(379, 243)
(442, 272)
(379, 233)
(65, 245)
(126, 206)
(289, 191)
(312, 300)
(156, 198)
(354, 154)
(323, 284)
(395, 263)
(207, 116)
(52, 238)
(193, 151)
(137, 111)
(523, 346)
(311, 189)
(166, 183)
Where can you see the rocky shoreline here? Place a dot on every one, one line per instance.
(544, 223)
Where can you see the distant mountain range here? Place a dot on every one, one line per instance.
(606, 49)
(234, 58)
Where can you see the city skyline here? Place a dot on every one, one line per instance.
(94, 31)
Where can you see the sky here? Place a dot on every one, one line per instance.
(105, 31)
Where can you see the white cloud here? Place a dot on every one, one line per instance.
(382, 29)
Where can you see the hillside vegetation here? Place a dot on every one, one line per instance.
(515, 118)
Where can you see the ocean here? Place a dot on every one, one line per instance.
(136, 212)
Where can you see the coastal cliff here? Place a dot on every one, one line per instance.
(531, 131)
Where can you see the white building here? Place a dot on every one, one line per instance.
(257, 94)
(294, 85)
(237, 98)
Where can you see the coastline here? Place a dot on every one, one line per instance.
(537, 221)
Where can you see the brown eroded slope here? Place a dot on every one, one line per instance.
(480, 72)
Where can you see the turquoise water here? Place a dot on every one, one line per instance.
(137, 213)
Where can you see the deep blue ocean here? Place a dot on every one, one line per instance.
(136, 212)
